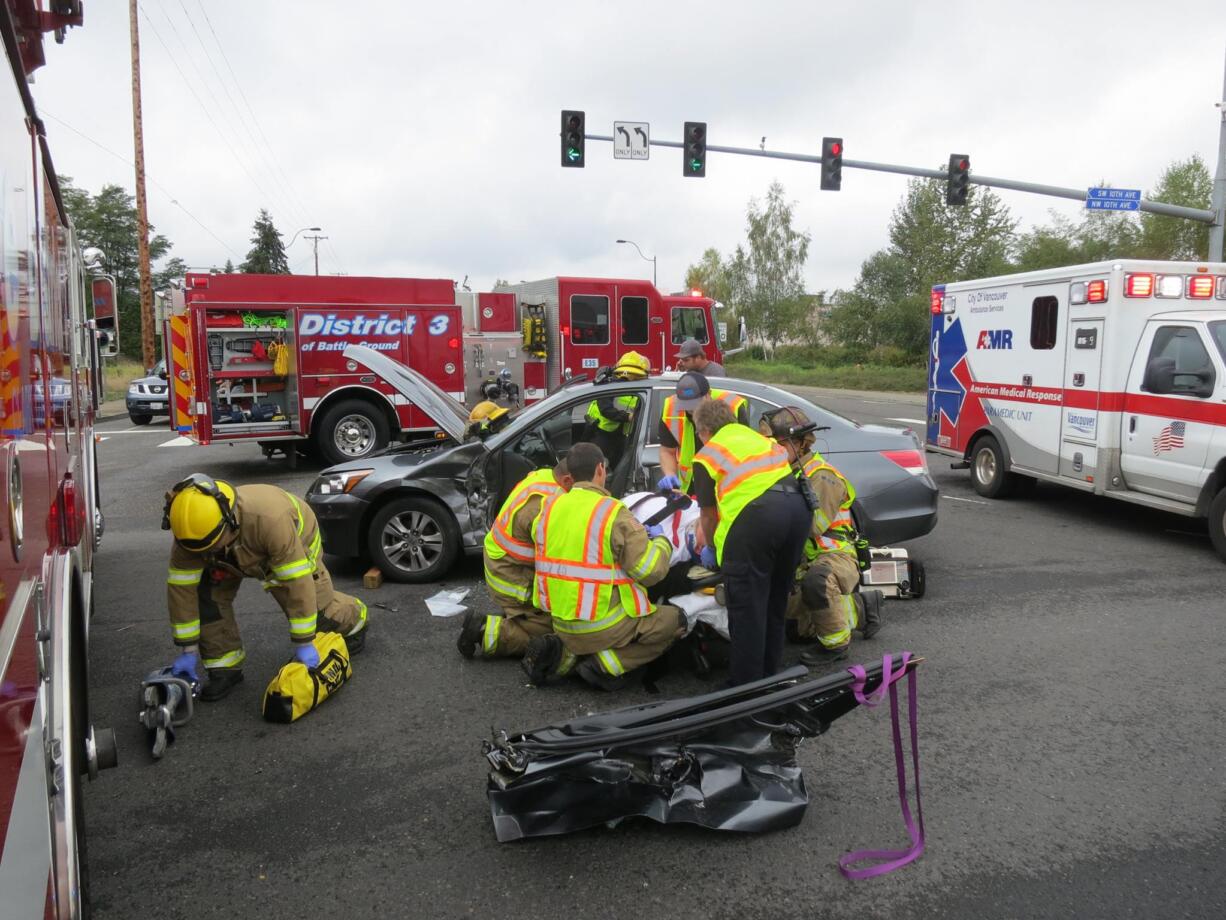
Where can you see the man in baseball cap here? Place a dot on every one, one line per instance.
(691, 357)
(679, 441)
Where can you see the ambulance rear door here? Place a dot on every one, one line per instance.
(1079, 428)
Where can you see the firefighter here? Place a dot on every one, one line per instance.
(678, 440)
(593, 560)
(827, 607)
(610, 417)
(486, 418)
(509, 569)
(224, 534)
(756, 521)
(691, 357)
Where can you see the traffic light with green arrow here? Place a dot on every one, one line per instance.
(572, 138)
(695, 149)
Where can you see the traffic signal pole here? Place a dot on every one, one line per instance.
(1201, 215)
(1218, 231)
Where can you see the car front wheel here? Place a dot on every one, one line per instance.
(140, 419)
(413, 539)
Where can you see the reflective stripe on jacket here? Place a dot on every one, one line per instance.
(743, 465)
(832, 522)
(626, 404)
(592, 559)
(278, 542)
(681, 426)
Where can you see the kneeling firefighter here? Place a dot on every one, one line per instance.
(509, 569)
(827, 607)
(224, 534)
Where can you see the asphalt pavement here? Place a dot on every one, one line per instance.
(1071, 739)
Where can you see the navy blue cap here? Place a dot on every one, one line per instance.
(691, 389)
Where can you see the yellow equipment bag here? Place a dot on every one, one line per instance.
(280, 358)
(297, 689)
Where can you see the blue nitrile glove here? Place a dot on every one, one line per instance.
(668, 484)
(707, 558)
(689, 544)
(187, 666)
(307, 654)
(655, 530)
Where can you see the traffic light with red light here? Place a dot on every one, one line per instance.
(694, 161)
(832, 164)
(572, 138)
(959, 179)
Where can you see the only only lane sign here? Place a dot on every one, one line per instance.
(631, 140)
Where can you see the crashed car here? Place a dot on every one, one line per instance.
(414, 509)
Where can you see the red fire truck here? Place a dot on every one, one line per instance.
(261, 357)
(49, 522)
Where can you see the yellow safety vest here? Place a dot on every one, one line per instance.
(628, 403)
(743, 465)
(835, 536)
(498, 541)
(681, 426)
(576, 571)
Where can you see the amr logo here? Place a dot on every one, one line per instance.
(995, 339)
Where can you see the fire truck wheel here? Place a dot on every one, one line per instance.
(350, 430)
(1217, 523)
(413, 539)
(988, 473)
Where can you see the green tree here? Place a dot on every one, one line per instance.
(1096, 237)
(1186, 182)
(229, 267)
(267, 253)
(765, 275)
(710, 274)
(108, 221)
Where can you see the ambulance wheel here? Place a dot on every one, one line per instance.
(350, 430)
(1217, 523)
(988, 474)
(413, 539)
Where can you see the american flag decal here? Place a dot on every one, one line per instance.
(1169, 437)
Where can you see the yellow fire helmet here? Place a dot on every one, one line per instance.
(632, 366)
(486, 411)
(198, 510)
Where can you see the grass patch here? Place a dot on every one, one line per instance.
(843, 377)
(117, 373)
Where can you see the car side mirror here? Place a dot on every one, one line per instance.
(1159, 376)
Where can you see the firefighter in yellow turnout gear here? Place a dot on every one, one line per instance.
(593, 560)
(509, 570)
(224, 534)
(610, 418)
(827, 607)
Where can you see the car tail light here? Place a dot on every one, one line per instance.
(1169, 286)
(1096, 291)
(1200, 287)
(1141, 285)
(912, 461)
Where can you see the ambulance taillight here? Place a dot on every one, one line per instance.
(1200, 287)
(937, 297)
(1169, 286)
(1139, 285)
(1096, 291)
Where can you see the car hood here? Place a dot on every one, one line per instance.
(448, 414)
(151, 381)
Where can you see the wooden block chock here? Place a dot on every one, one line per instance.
(373, 578)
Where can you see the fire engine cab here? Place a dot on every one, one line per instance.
(261, 357)
(1108, 377)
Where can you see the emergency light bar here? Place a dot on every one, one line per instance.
(937, 297)
(1141, 285)
(1082, 292)
(1097, 291)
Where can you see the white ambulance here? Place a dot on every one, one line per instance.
(1109, 377)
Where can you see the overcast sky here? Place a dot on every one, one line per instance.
(422, 137)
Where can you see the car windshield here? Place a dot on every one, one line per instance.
(1219, 336)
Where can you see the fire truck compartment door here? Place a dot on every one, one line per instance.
(448, 414)
(1175, 390)
(1080, 419)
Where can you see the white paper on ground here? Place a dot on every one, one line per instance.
(447, 603)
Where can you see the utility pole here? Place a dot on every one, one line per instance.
(1218, 204)
(315, 240)
(142, 214)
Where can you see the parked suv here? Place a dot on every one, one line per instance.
(149, 396)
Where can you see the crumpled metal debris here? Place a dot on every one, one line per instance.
(725, 760)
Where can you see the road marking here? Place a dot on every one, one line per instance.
(909, 421)
(102, 438)
(180, 441)
(973, 501)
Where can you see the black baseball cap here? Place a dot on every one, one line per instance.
(691, 388)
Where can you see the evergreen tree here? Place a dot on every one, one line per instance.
(267, 253)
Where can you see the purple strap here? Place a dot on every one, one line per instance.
(889, 860)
